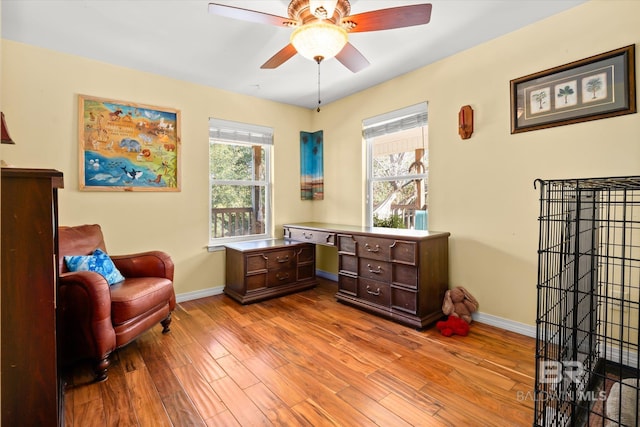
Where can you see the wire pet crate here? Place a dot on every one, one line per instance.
(587, 369)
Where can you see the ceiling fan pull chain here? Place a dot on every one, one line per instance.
(318, 60)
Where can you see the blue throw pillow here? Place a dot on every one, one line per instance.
(98, 262)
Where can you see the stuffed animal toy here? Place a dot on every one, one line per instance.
(460, 303)
(453, 326)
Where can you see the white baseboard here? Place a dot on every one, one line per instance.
(188, 296)
(502, 323)
(217, 290)
(326, 275)
(498, 322)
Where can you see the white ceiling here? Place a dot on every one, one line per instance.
(179, 39)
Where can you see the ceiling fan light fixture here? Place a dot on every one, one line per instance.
(319, 38)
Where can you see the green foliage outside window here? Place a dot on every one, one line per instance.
(238, 189)
(234, 164)
(392, 221)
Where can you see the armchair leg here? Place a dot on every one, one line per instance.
(100, 369)
(165, 324)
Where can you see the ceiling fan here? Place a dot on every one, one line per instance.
(321, 28)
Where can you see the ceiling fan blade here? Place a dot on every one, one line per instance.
(249, 15)
(387, 19)
(280, 58)
(351, 58)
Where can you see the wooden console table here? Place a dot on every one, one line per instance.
(395, 273)
(263, 269)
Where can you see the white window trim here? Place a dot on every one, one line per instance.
(250, 135)
(387, 123)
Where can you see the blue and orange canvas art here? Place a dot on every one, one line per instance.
(311, 166)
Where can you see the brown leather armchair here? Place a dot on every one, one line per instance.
(94, 318)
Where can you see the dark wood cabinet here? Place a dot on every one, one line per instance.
(398, 274)
(264, 269)
(31, 387)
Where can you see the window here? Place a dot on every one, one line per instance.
(240, 181)
(397, 168)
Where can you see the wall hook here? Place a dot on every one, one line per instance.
(465, 122)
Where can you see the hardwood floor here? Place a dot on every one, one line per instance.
(306, 360)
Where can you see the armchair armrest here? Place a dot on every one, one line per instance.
(89, 285)
(145, 264)
(84, 310)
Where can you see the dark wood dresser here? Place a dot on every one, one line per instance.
(263, 269)
(398, 274)
(31, 387)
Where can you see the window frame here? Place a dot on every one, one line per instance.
(235, 133)
(414, 116)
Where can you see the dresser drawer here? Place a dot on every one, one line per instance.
(348, 264)
(347, 284)
(306, 253)
(256, 263)
(405, 275)
(373, 269)
(404, 299)
(285, 258)
(346, 244)
(404, 252)
(281, 277)
(306, 272)
(374, 292)
(256, 281)
(373, 247)
(310, 236)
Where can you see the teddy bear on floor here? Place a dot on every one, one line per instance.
(453, 326)
(460, 303)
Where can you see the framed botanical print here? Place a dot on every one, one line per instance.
(594, 88)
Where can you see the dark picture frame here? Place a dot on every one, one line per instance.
(593, 88)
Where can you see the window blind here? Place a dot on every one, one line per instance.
(395, 121)
(240, 132)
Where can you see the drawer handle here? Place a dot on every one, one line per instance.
(378, 271)
(370, 292)
(370, 249)
(282, 260)
(308, 236)
(282, 277)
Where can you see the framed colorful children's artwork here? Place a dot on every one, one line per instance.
(125, 146)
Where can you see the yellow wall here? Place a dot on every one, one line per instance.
(481, 189)
(39, 95)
